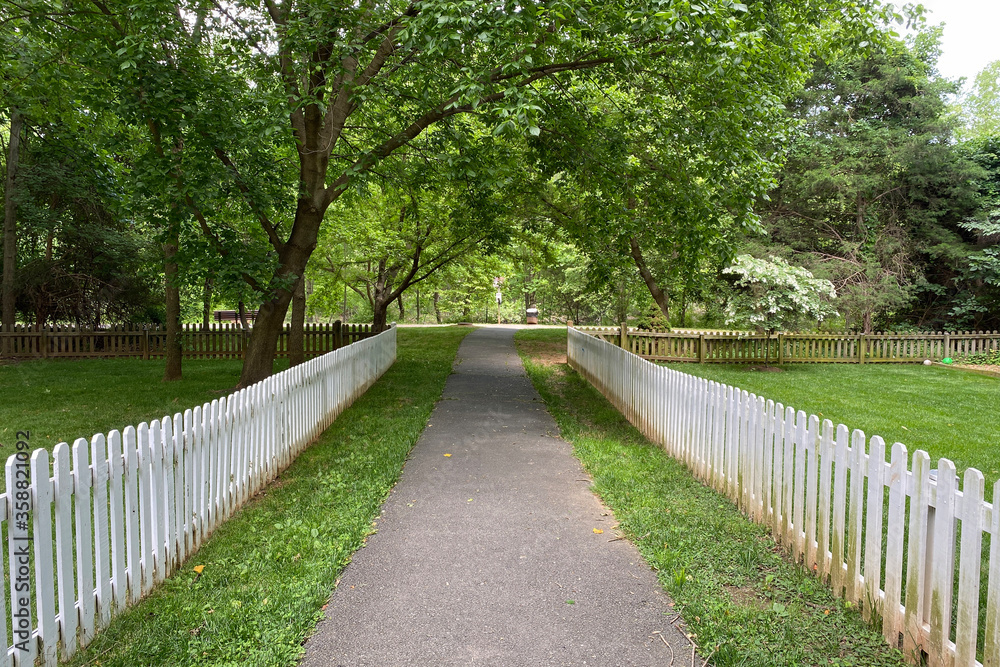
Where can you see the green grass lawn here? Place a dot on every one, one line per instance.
(269, 570)
(744, 603)
(60, 400)
(947, 412)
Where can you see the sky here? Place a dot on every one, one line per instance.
(970, 39)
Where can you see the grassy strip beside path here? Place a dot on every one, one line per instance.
(745, 604)
(944, 411)
(266, 574)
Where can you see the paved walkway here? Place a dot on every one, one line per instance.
(489, 556)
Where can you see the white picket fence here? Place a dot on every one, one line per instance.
(840, 510)
(113, 517)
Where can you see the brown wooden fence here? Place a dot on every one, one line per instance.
(746, 348)
(220, 341)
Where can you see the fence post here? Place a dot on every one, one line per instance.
(947, 345)
(338, 335)
(145, 343)
(781, 348)
(701, 348)
(43, 342)
(624, 334)
(861, 348)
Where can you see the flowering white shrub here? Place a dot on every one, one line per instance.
(773, 295)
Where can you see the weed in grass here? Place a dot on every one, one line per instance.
(745, 604)
(265, 574)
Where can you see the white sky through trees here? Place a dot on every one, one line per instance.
(970, 40)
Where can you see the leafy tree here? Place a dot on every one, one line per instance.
(979, 110)
(874, 189)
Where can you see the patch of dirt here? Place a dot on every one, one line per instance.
(546, 353)
(979, 367)
(982, 368)
(746, 597)
(766, 369)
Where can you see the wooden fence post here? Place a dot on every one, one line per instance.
(43, 342)
(861, 348)
(947, 345)
(624, 334)
(145, 344)
(338, 335)
(781, 348)
(701, 348)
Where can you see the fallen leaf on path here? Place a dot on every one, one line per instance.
(447, 454)
(598, 531)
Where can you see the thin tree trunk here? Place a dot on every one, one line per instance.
(206, 313)
(296, 333)
(437, 307)
(242, 310)
(10, 219)
(659, 296)
(418, 305)
(173, 302)
(399, 302)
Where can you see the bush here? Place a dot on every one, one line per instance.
(991, 358)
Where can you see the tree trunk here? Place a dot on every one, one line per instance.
(173, 298)
(380, 317)
(659, 296)
(258, 360)
(241, 308)
(381, 300)
(10, 219)
(296, 333)
(399, 302)
(418, 305)
(866, 322)
(206, 297)
(437, 307)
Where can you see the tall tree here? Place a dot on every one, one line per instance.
(10, 217)
(874, 189)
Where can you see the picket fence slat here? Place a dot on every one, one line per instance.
(113, 516)
(41, 515)
(63, 474)
(82, 481)
(827, 493)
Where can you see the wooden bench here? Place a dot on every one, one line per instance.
(233, 315)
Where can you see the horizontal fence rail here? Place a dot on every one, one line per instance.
(105, 520)
(884, 534)
(746, 348)
(218, 341)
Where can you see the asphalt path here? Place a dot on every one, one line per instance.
(487, 550)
